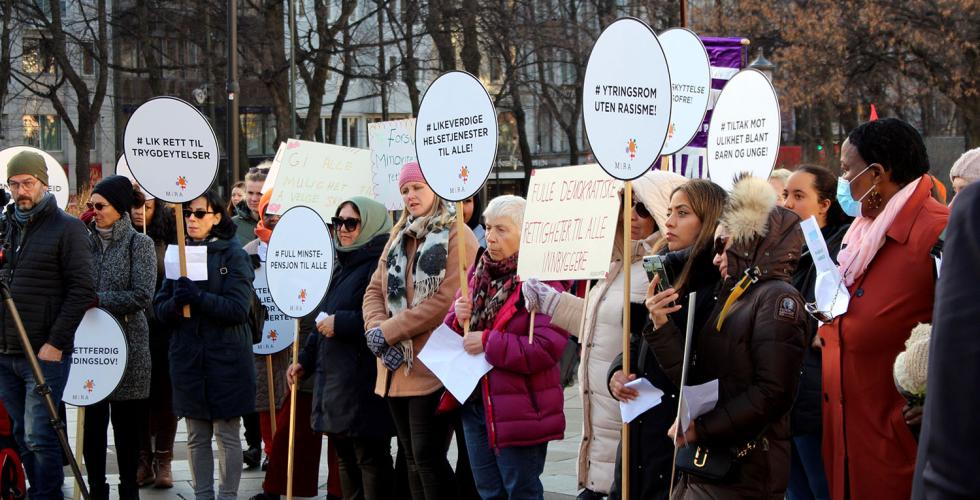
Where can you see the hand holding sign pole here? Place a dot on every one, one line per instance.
(172, 153)
(627, 113)
(456, 146)
(299, 265)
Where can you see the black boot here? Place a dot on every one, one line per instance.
(129, 492)
(99, 491)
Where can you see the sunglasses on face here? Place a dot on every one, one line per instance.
(255, 170)
(199, 213)
(720, 243)
(348, 224)
(96, 206)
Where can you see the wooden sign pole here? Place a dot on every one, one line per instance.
(79, 443)
(464, 286)
(292, 421)
(627, 258)
(272, 392)
(179, 212)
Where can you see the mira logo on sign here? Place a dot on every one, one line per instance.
(182, 182)
(302, 295)
(631, 148)
(273, 335)
(89, 386)
(464, 173)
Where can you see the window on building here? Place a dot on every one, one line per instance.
(42, 132)
(37, 56)
(349, 135)
(88, 58)
(260, 133)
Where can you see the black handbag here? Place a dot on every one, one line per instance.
(709, 463)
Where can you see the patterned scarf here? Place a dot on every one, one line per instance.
(428, 265)
(492, 284)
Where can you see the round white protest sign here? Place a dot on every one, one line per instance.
(744, 131)
(456, 135)
(299, 262)
(122, 168)
(57, 179)
(690, 83)
(279, 329)
(171, 149)
(627, 99)
(98, 360)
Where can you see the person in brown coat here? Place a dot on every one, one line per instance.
(753, 344)
(408, 297)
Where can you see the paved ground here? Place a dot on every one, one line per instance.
(558, 479)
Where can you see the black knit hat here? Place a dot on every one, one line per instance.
(118, 191)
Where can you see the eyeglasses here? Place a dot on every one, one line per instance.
(196, 213)
(817, 314)
(256, 170)
(15, 186)
(348, 224)
(720, 243)
(96, 206)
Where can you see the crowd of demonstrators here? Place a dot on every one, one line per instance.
(887, 266)
(125, 278)
(211, 362)
(519, 406)
(408, 296)
(809, 405)
(156, 220)
(48, 266)
(811, 192)
(256, 249)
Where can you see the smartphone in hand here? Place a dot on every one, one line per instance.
(654, 266)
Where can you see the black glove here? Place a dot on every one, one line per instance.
(186, 292)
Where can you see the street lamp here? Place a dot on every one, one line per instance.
(762, 64)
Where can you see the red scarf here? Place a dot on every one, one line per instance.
(492, 284)
(261, 231)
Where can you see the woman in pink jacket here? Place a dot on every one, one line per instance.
(518, 407)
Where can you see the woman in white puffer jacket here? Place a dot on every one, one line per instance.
(602, 335)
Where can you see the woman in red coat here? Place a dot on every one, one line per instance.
(868, 449)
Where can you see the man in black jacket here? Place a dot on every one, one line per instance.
(48, 266)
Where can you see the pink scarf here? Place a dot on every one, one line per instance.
(866, 236)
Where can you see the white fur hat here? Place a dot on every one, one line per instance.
(747, 213)
(912, 364)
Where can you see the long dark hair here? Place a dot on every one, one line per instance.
(477, 210)
(708, 202)
(825, 184)
(162, 227)
(225, 228)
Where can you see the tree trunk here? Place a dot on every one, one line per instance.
(338, 104)
(409, 19)
(970, 113)
(471, 43)
(6, 13)
(521, 119)
(438, 24)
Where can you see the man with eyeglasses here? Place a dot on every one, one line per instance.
(47, 263)
(246, 215)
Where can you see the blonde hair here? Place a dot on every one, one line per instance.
(440, 209)
(780, 174)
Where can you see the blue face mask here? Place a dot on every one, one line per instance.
(847, 202)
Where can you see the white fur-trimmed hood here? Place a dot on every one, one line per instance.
(746, 215)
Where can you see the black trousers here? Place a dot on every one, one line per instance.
(128, 418)
(253, 431)
(422, 434)
(366, 469)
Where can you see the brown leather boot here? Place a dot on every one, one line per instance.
(164, 476)
(144, 471)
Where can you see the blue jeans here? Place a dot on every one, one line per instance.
(508, 473)
(40, 449)
(807, 480)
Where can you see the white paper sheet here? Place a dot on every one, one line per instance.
(649, 397)
(830, 294)
(320, 317)
(698, 400)
(458, 370)
(197, 262)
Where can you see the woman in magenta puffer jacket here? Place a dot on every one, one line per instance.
(518, 407)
